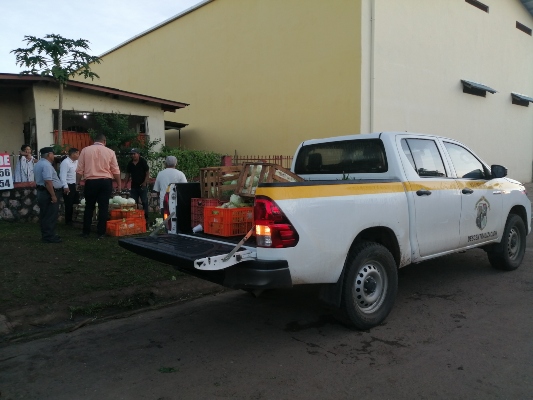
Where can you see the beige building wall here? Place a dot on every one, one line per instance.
(11, 121)
(419, 53)
(46, 100)
(260, 76)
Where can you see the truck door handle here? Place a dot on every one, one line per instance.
(423, 192)
(467, 191)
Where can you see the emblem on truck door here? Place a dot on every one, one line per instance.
(482, 207)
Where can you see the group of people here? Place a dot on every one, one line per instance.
(98, 166)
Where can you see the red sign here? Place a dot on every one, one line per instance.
(6, 178)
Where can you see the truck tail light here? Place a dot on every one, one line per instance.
(272, 228)
(166, 209)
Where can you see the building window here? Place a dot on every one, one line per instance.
(521, 99)
(523, 28)
(479, 5)
(475, 88)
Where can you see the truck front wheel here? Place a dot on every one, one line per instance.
(508, 254)
(370, 285)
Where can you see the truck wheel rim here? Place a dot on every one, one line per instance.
(513, 244)
(370, 286)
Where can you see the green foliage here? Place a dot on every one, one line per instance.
(116, 129)
(60, 149)
(189, 161)
(57, 57)
(119, 135)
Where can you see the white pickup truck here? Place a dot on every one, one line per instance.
(370, 204)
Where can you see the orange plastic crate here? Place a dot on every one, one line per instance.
(133, 214)
(125, 227)
(115, 214)
(120, 214)
(228, 221)
(197, 209)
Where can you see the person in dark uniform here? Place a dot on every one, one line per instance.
(139, 172)
(49, 188)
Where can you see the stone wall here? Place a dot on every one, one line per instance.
(20, 204)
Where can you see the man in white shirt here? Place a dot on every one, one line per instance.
(67, 175)
(169, 175)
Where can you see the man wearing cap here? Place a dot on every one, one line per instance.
(98, 165)
(139, 172)
(49, 187)
(169, 175)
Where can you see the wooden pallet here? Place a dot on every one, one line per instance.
(215, 182)
(255, 173)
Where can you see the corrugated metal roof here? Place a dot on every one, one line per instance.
(528, 4)
(26, 80)
(480, 86)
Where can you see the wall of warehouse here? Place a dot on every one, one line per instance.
(260, 76)
(418, 60)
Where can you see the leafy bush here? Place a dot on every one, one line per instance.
(189, 161)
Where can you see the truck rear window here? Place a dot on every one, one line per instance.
(343, 157)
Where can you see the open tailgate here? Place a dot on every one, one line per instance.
(187, 251)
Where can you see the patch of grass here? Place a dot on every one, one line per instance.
(35, 272)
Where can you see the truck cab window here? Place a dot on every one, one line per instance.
(342, 157)
(424, 156)
(465, 163)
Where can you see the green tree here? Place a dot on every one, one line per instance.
(59, 58)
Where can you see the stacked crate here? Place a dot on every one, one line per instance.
(125, 221)
(217, 184)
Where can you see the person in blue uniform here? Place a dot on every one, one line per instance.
(49, 188)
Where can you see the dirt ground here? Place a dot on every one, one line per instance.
(43, 284)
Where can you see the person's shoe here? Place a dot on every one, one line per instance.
(84, 235)
(101, 236)
(56, 239)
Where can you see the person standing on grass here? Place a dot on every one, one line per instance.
(67, 174)
(169, 175)
(98, 166)
(48, 189)
(139, 172)
(24, 168)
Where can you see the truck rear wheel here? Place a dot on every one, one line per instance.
(370, 285)
(508, 254)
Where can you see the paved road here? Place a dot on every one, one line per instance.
(459, 329)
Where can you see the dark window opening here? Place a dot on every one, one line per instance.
(523, 28)
(475, 88)
(474, 91)
(519, 102)
(521, 99)
(479, 5)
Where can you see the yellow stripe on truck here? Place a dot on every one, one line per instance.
(347, 189)
(311, 191)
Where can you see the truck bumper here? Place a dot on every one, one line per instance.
(180, 252)
(247, 275)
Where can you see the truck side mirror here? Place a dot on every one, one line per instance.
(498, 171)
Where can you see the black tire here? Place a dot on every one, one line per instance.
(508, 254)
(370, 285)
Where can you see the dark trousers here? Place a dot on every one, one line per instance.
(69, 200)
(48, 213)
(97, 191)
(142, 193)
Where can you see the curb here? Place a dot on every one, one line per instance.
(33, 322)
